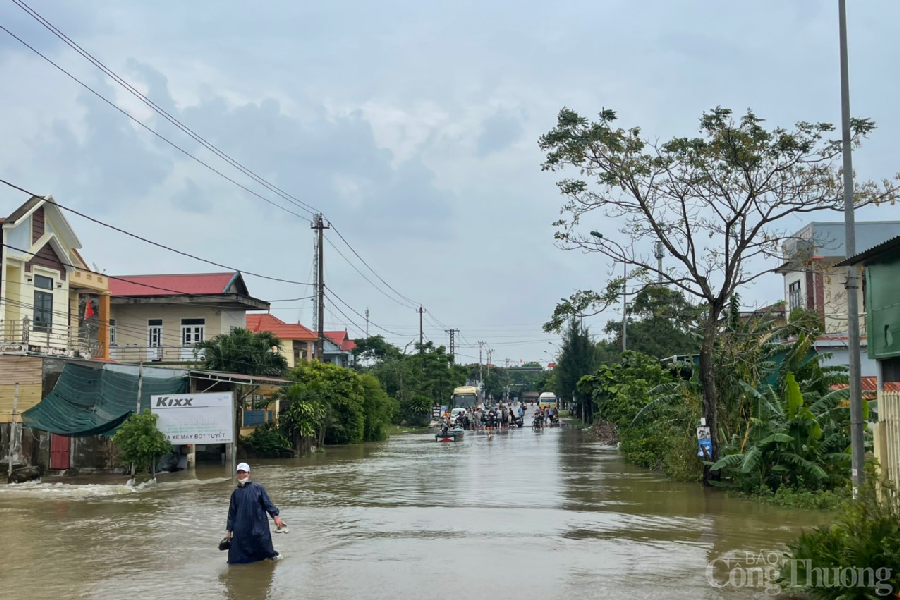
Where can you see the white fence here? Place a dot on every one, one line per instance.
(887, 434)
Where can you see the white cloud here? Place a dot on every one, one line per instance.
(413, 127)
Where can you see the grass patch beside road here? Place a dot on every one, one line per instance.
(785, 496)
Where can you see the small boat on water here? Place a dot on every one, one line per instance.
(453, 435)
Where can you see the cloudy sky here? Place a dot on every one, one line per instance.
(411, 125)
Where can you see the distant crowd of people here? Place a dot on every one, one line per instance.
(495, 418)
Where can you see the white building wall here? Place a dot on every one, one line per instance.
(132, 328)
(790, 279)
(840, 356)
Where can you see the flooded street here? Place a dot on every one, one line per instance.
(523, 516)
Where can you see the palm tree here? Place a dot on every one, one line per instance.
(245, 352)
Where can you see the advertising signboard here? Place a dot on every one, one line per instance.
(704, 443)
(195, 418)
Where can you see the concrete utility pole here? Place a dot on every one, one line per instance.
(13, 431)
(137, 411)
(857, 441)
(452, 333)
(480, 370)
(367, 321)
(421, 330)
(624, 303)
(319, 225)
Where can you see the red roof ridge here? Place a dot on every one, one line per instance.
(174, 284)
(180, 274)
(258, 322)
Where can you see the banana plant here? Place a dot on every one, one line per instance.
(789, 442)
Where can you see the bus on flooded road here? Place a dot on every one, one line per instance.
(465, 397)
(548, 400)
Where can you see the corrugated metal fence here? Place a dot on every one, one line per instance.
(887, 434)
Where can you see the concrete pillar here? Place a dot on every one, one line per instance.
(104, 326)
(192, 456)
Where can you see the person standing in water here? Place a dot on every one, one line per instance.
(248, 523)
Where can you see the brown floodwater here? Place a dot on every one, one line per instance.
(524, 515)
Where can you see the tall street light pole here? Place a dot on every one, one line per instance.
(624, 305)
(599, 236)
(857, 441)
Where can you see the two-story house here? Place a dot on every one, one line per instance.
(51, 303)
(811, 278)
(881, 265)
(297, 342)
(339, 348)
(159, 318)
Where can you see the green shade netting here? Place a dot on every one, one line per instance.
(88, 401)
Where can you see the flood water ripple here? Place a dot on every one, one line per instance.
(523, 515)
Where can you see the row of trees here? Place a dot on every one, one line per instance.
(785, 420)
(717, 203)
(660, 323)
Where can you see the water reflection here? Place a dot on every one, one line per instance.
(248, 582)
(522, 515)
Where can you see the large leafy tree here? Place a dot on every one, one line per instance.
(243, 351)
(375, 349)
(661, 323)
(717, 203)
(417, 380)
(340, 393)
(579, 357)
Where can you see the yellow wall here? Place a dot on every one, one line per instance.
(94, 283)
(26, 370)
(287, 350)
(132, 326)
(12, 288)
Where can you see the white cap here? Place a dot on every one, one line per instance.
(243, 467)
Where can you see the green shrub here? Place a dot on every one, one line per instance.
(339, 391)
(140, 442)
(378, 408)
(681, 462)
(268, 440)
(416, 411)
(865, 536)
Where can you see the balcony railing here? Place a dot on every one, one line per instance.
(166, 354)
(24, 335)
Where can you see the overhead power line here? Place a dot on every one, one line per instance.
(149, 129)
(151, 242)
(161, 111)
(363, 275)
(330, 292)
(195, 136)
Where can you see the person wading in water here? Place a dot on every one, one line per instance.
(248, 525)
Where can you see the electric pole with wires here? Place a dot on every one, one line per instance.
(421, 330)
(452, 333)
(319, 225)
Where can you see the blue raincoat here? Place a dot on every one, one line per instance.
(247, 520)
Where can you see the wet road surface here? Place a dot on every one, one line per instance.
(523, 515)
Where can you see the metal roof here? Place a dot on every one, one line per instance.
(863, 257)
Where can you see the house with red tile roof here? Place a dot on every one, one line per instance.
(159, 318)
(339, 348)
(298, 342)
